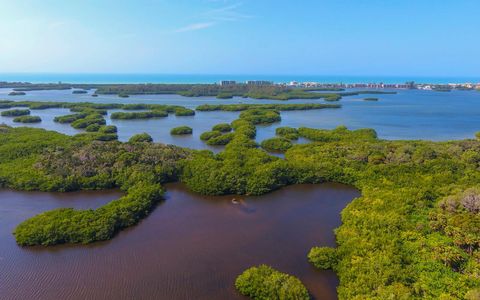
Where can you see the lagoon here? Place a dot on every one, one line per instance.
(190, 247)
(409, 114)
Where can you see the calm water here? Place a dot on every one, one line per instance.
(409, 114)
(190, 247)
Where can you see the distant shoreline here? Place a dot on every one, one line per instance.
(117, 78)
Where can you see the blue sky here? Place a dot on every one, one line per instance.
(338, 37)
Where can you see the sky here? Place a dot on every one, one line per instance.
(322, 37)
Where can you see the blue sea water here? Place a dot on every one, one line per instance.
(408, 114)
(211, 78)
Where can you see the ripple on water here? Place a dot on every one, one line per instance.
(190, 247)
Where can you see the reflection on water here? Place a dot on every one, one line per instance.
(190, 247)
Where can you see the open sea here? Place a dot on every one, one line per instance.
(211, 78)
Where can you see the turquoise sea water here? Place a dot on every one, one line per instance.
(211, 78)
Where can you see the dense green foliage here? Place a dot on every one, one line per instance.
(209, 134)
(181, 130)
(141, 138)
(91, 119)
(15, 93)
(35, 159)
(93, 128)
(222, 127)
(138, 115)
(260, 116)
(338, 134)
(69, 118)
(66, 225)
(406, 237)
(220, 140)
(182, 111)
(266, 283)
(268, 91)
(287, 132)
(276, 144)
(280, 107)
(108, 129)
(27, 119)
(15, 112)
(413, 234)
(323, 257)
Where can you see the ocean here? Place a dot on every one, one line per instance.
(100, 78)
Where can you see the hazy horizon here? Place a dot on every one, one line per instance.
(343, 38)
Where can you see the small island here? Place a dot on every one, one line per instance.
(138, 115)
(27, 119)
(79, 92)
(181, 130)
(15, 93)
(370, 99)
(15, 112)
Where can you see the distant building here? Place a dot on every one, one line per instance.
(228, 82)
(259, 82)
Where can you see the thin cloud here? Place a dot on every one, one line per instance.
(227, 13)
(195, 26)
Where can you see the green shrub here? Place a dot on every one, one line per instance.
(66, 225)
(27, 119)
(323, 257)
(222, 127)
(138, 115)
(260, 116)
(182, 111)
(93, 128)
(221, 139)
(15, 112)
(264, 282)
(209, 134)
(141, 138)
(181, 130)
(287, 132)
(279, 107)
(88, 120)
(279, 144)
(108, 129)
(69, 118)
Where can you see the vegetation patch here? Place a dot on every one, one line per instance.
(279, 107)
(15, 112)
(15, 93)
(276, 144)
(27, 119)
(138, 115)
(181, 130)
(209, 134)
(264, 282)
(222, 127)
(141, 138)
(287, 132)
(260, 116)
(220, 140)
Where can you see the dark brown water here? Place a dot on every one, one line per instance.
(190, 247)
